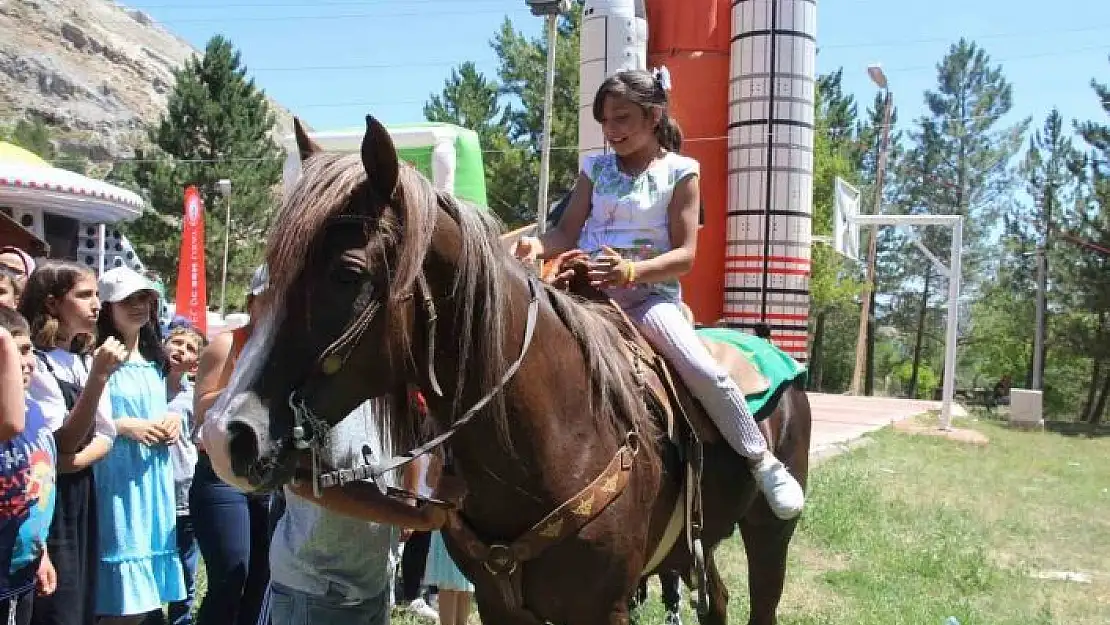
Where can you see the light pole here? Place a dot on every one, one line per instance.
(865, 340)
(224, 185)
(550, 10)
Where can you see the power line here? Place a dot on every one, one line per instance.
(292, 5)
(455, 62)
(224, 19)
(901, 43)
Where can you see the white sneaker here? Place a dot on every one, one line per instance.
(423, 611)
(779, 487)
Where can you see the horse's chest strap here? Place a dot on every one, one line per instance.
(503, 561)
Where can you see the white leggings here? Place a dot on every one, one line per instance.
(661, 321)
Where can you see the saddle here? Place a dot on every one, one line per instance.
(687, 427)
(665, 394)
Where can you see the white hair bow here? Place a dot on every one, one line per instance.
(663, 77)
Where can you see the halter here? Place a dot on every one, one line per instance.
(310, 431)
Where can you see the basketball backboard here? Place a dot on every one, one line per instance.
(846, 234)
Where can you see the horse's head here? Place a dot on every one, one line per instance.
(344, 260)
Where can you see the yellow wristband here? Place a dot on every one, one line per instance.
(630, 275)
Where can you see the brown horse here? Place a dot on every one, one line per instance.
(380, 283)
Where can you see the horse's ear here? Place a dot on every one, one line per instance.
(305, 145)
(379, 158)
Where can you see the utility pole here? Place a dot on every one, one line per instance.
(865, 340)
(550, 10)
(224, 185)
(1038, 337)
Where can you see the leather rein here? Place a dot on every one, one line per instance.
(310, 431)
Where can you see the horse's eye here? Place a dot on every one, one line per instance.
(346, 274)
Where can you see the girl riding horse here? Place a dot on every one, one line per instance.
(635, 212)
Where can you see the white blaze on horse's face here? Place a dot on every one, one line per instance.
(239, 404)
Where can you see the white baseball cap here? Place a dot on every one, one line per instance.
(119, 283)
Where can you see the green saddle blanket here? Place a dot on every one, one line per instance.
(778, 367)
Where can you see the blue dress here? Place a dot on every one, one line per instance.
(139, 566)
(441, 571)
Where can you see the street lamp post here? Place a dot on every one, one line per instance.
(224, 185)
(550, 10)
(863, 374)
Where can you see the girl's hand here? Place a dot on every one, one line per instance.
(562, 268)
(107, 358)
(141, 431)
(609, 269)
(46, 578)
(171, 428)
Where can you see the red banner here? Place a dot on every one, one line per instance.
(192, 293)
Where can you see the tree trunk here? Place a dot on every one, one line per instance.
(1087, 414)
(817, 357)
(920, 333)
(1100, 407)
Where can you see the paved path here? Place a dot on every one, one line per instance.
(838, 420)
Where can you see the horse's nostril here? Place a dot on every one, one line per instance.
(242, 446)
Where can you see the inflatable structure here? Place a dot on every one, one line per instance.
(450, 156)
(743, 76)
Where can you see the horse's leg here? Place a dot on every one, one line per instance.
(718, 594)
(766, 540)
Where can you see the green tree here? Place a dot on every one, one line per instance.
(511, 125)
(834, 283)
(1090, 280)
(960, 163)
(522, 71)
(217, 126)
(471, 100)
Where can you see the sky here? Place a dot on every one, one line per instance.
(333, 61)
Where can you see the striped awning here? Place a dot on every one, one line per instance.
(26, 181)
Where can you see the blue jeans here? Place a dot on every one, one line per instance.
(181, 612)
(293, 607)
(232, 531)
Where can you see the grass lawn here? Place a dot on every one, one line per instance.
(912, 529)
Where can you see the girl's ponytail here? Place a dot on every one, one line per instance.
(668, 133)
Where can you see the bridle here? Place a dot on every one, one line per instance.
(310, 431)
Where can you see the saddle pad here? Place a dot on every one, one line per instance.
(778, 367)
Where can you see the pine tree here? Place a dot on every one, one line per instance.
(218, 125)
(471, 100)
(1091, 263)
(834, 284)
(521, 74)
(960, 164)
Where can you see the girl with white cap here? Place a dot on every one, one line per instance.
(136, 506)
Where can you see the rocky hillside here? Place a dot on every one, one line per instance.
(96, 70)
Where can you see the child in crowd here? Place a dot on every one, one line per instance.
(455, 590)
(28, 459)
(136, 509)
(18, 262)
(61, 304)
(9, 288)
(182, 349)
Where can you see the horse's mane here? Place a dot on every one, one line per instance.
(331, 183)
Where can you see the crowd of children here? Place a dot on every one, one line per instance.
(96, 446)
